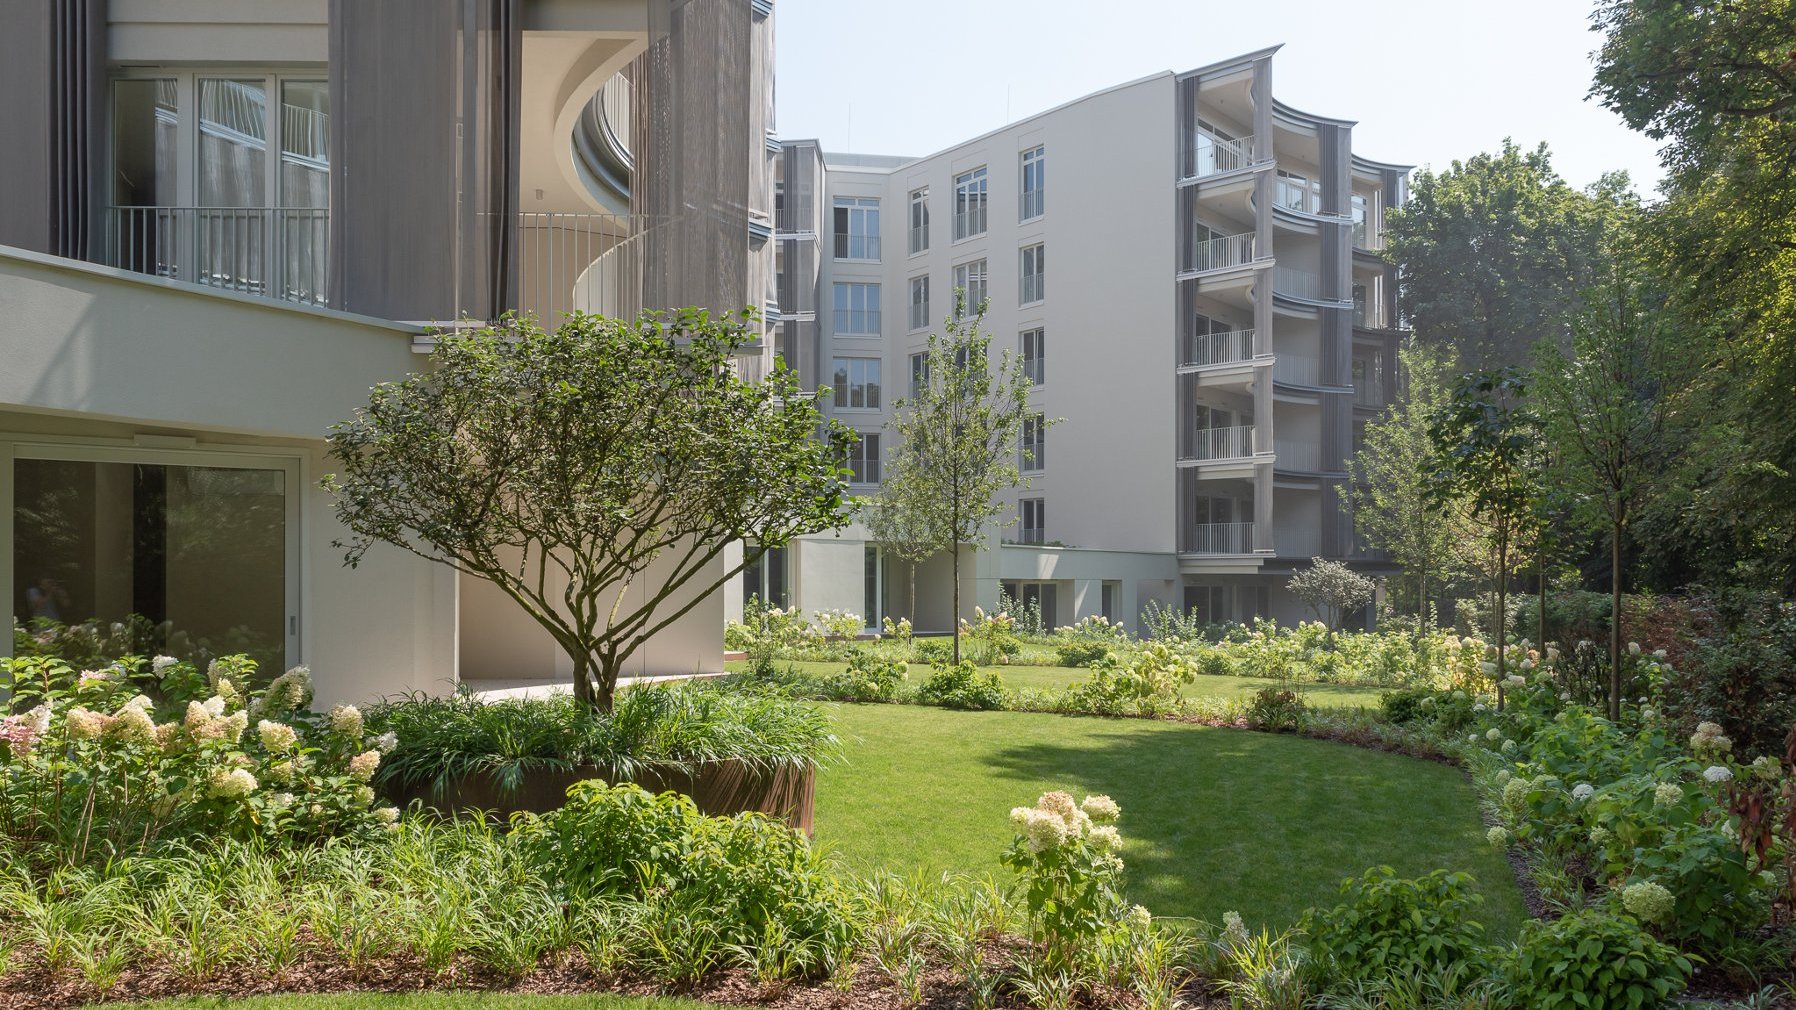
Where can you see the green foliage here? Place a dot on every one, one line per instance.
(993, 638)
(440, 740)
(1080, 652)
(963, 686)
(525, 457)
(1277, 710)
(1389, 927)
(102, 764)
(1742, 672)
(1072, 875)
(1148, 683)
(1331, 590)
(1592, 959)
(868, 678)
(741, 880)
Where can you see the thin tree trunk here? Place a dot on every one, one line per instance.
(913, 593)
(1615, 623)
(1540, 625)
(1502, 612)
(955, 617)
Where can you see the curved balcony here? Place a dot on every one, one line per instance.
(601, 141)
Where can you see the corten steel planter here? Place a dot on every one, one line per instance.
(718, 788)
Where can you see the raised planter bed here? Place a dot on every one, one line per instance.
(718, 788)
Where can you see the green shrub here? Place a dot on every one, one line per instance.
(1591, 959)
(1388, 927)
(964, 686)
(932, 650)
(1080, 652)
(1277, 710)
(1146, 684)
(744, 880)
(1405, 705)
(867, 678)
(1072, 875)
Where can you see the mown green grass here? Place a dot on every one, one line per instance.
(1214, 819)
(423, 1001)
(1058, 678)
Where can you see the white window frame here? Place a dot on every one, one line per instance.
(1032, 347)
(919, 373)
(1032, 273)
(74, 450)
(1038, 532)
(974, 278)
(864, 376)
(868, 316)
(917, 232)
(919, 307)
(1032, 454)
(1032, 183)
(972, 200)
(864, 241)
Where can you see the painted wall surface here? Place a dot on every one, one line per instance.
(240, 31)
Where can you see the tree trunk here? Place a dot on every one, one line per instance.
(599, 675)
(1502, 612)
(913, 593)
(1615, 623)
(1540, 624)
(954, 618)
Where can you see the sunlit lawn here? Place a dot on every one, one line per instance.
(1215, 819)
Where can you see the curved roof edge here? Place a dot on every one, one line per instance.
(1280, 109)
(1371, 165)
(1232, 62)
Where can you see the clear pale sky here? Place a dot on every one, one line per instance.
(1427, 81)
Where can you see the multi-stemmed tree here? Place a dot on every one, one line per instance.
(561, 466)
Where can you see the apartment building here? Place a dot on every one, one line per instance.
(1186, 268)
(224, 220)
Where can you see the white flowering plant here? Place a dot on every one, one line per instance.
(1068, 856)
(1147, 683)
(116, 761)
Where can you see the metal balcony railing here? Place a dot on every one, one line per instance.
(1220, 538)
(1031, 204)
(1295, 283)
(581, 262)
(1298, 456)
(1222, 252)
(273, 252)
(1296, 369)
(1211, 155)
(1218, 348)
(1033, 288)
(1368, 390)
(1220, 443)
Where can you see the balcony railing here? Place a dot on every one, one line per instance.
(1212, 155)
(1222, 252)
(1368, 390)
(1296, 369)
(1295, 283)
(1031, 204)
(272, 252)
(1033, 288)
(1220, 443)
(1220, 538)
(584, 262)
(1218, 348)
(1298, 456)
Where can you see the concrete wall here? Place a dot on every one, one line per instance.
(241, 31)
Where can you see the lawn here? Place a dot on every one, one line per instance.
(1214, 819)
(1057, 678)
(424, 1001)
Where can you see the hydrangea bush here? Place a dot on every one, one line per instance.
(1068, 856)
(115, 761)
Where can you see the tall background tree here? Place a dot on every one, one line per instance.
(1717, 83)
(959, 442)
(560, 466)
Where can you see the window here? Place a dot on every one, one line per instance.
(857, 309)
(1107, 600)
(1035, 167)
(863, 459)
(919, 302)
(919, 373)
(1035, 348)
(1035, 443)
(1033, 275)
(919, 220)
(872, 588)
(1298, 192)
(969, 203)
(765, 577)
(969, 288)
(857, 228)
(857, 383)
(1034, 513)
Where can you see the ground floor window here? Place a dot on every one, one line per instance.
(1032, 599)
(765, 577)
(873, 609)
(1107, 600)
(196, 560)
(1210, 604)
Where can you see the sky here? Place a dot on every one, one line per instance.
(1427, 81)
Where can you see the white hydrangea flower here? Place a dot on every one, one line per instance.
(1101, 809)
(1498, 836)
(1647, 901)
(1633, 648)
(363, 765)
(386, 742)
(1493, 734)
(276, 736)
(1667, 794)
(1718, 774)
(346, 721)
(387, 815)
(233, 784)
(1583, 791)
(1139, 919)
(1509, 746)
(161, 664)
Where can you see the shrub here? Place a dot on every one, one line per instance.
(1389, 927)
(932, 650)
(991, 638)
(1277, 710)
(1405, 706)
(1080, 652)
(1147, 684)
(745, 879)
(867, 678)
(106, 763)
(1072, 875)
(1592, 959)
(1742, 672)
(963, 686)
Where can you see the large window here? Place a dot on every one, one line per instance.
(857, 383)
(919, 302)
(969, 288)
(1035, 443)
(223, 181)
(919, 220)
(1034, 183)
(1033, 513)
(863, 459)
(857, 228)
(765, 578)
(1035, 355)
(873, 587)
(919, 373)
(857, 309)
(1032, 274)
(969, 203)
(195, 559)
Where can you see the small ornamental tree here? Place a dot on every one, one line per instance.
(1331, 590)
(959, 441)
(561, 466)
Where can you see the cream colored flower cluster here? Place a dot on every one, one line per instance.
(1056, 821)
(1709, 743)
